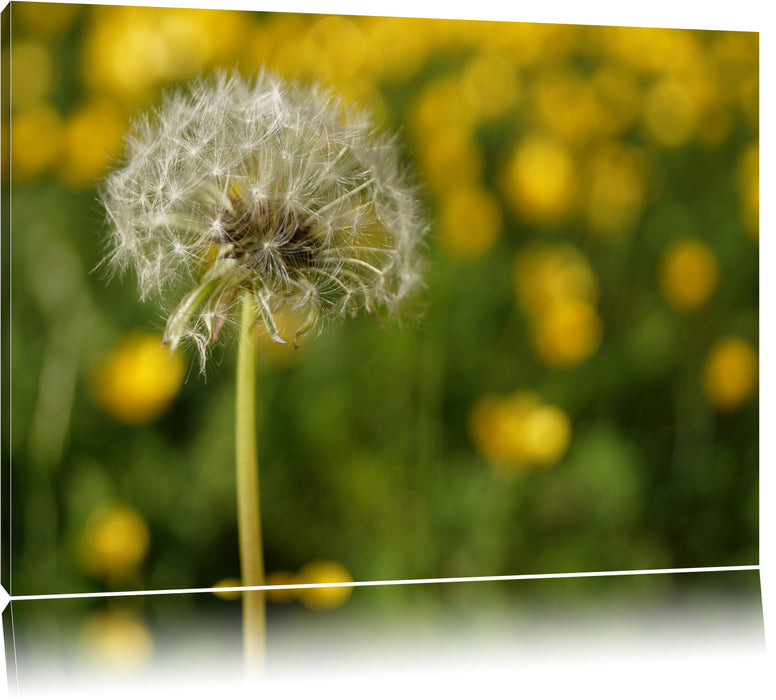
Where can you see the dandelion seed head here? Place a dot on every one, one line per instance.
(268, 187)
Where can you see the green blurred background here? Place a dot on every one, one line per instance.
(580, 395)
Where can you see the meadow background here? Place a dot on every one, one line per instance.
(580, 395)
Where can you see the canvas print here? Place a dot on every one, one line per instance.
(298, 302)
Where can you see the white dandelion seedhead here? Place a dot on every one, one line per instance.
(264, 187)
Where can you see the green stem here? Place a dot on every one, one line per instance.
(248, 503)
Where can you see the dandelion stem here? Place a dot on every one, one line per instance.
(248, 502)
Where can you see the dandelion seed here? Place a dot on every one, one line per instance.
(289, 193)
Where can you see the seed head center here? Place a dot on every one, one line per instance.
(269, 235)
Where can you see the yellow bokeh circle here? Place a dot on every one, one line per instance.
(495, 427)
(36, 140)
(335, 49)
(45, 19)
(617, 190)
(730, 373)
(439, 105)
(540, 181)
(670, 114)
(567, 333)
(470, 220)
(229, 582)
(688, 274)
(323, 598)
(489, 83)
(32, 73)
(281, 578)
(118, 640)
(566, 104)
(519, 432)
(546, 434)
(547, 274)
(113, 542)
(449, 156)
(129, 51)
(749, 189)
(138, 380)
(92, 138)
(396, 48)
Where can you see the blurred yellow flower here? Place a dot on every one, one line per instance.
(688, 274)
(281, 578)
(92, 137)
(737, 56)
(45, 19)
(617, 189)
(717, 119)
(494, 426)
(361, 92)
(749, 188)
(730, 373)
(36, 140)
(653, 51)
(558, 289)
(736, 53)
(540, 180)
(674, 51)
(227, 583)
(31, 73)
(550, 273)
(546, 434)
(396, 47)
(529, 44)
(335, 49)
(114, 541)
(446, 33)
(138, 380)
(224, 34)
(737, 63)
(273, 578)
(618, 91)
(125, 52)
(325, 597)
(670, 113)
(439, 105)
(448, 156)
(490, 85)
(748, 94)
(566, 105)
(566, 333)
(519, 432)
(470, 220)
(130, 51)
(117, 639)
(5, 137)
(279, 43)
